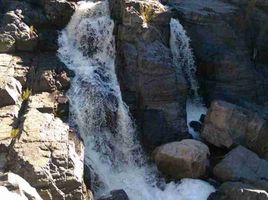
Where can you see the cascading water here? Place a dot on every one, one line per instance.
(102, 119)
(183, 59)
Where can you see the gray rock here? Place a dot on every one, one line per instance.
(10, 91)
(115, 195)
(229, 44)
(241, 164)
(239, 191)
(184, 159)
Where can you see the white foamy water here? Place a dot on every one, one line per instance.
(102, 119)
(184, 61)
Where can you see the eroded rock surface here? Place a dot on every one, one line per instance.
(227, 124)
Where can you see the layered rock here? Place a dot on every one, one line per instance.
(227, 125)
(229, 39)
(184, 159)
(148, 81)
(32, 25)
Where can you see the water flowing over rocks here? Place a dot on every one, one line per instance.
(149, 83)
(89, 89)
(226, 35)
(184, 159)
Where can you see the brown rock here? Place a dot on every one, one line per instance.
(185, 159)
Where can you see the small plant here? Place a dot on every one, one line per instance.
(26, 94)
(32, 31)
(14, 132)
(147, 13)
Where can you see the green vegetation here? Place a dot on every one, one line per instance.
(14, 132)
(26, 94)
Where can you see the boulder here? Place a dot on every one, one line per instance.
(238, 191)
(10, 91)
(241, 164)
(14, 187)
(115, 195)
(227, 124)
(185, 159)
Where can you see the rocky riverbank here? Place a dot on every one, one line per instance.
(41, 153)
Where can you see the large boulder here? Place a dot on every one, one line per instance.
(10, 91)
(185, 159)
(227, 124)
(14, 187)
(238, 191)
(241, 164)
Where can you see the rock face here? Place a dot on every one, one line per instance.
(241, 164)
(229, 39)
(184, 159)
(148, 81)
(14, 187)
(31, 25)
(239, 191)
(227, 124)
(10, 91)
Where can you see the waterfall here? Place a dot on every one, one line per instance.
(112, 151)
(183, 59)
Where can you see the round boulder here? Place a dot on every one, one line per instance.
(185, 159)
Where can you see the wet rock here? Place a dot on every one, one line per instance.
(196, 126)
(238, 191)
(184, 159)
(227, 124)
(241, 164)
(146, 73)
(10, 91)
(14, 187)
(225, 36)
(115, 195)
